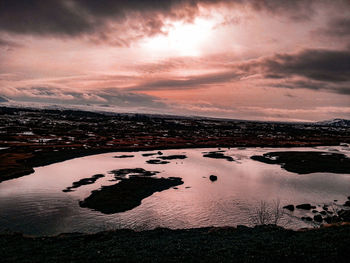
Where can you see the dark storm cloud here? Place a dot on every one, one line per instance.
(42, 17)
(76, 17)
(314, 69)
(337, 27)
(315, 64)
(343, 88)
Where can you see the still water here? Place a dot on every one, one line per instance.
(35, 204)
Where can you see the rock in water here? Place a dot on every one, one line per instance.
(123, 156)
(332, 219)
(289, 207)
(318, 218)
(344, 215)
(306, 206)
(213, 178)
(218, 155)
(347, 203)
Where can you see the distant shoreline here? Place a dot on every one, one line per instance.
(56, 157)
(35, 138)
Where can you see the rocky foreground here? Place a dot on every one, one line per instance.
(242, 244)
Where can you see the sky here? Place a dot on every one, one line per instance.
(258, 60)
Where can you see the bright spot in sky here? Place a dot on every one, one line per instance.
(183, 39)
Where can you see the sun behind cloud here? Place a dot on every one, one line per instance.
(182, 38)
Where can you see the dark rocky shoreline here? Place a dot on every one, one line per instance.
(305, 162)
(242, 244)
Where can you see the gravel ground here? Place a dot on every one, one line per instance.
(242, 244)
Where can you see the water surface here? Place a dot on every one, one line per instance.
(35, 204)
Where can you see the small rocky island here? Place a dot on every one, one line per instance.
(218, 155)
(307, 162)
(135, 185)
(165, 159)
(84, 181)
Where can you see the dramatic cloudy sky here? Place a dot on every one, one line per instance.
(258, 59)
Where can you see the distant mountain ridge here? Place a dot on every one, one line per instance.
(335, 123)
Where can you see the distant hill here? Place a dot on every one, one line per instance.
(3, 99)
(335, 123)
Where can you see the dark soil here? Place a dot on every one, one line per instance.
(307, 162)
(243, 244)
(127, 194)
